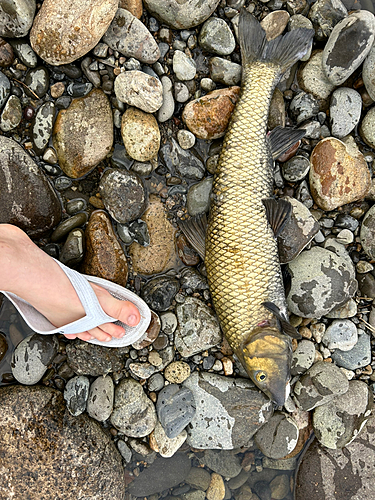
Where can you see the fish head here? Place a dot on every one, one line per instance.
(267, 357)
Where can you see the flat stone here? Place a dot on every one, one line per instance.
(341, 334)
(278, 437)
(64, 32)
(166, 446)
(358, 357)
(183, 66)
(224, 71)
(159, 292)
(223, 462)
(303, 357)
(199, 196)
(100, 398)
(83, 133)
(75, 394)
(176, 408)
(312, 79)
(140, 90)
(11, 115)
(16, 17)
(140, 133)
(94, 360)
(167, 108)
(199, 478)
(25, 53)
(275, 23)
(181, 15)
(216, 36)
(344, 111)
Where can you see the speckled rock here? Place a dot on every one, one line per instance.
(344, 111)
(27, 199)
(303, 357)
(159, 292)
(208, 117)
(138, 89)
(83, 133)
(76, 393)
(63, 32)
(278, 437)
(321, 281)
(216, 489)
(140, 133)
(357, 357)
(165, 446)
(338, 174)
(368, 73)
(341, 334)
(130, 37)
(11, 115)
(181, 161)
(160, 254)
(94, 360)
(296, 168)
(177, 372)
(216, 36)
(275, 23)
(181, 15)
(175, 407)
(184, 66)
(348, 45)
(100, 398)
(16, 17)
(312, 79)
(104, 255)
(325, 14)
(42, 126)
(303, 107)
(229, 411)
(52, 446)
(367, 128)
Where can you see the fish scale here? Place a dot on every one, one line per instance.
(241, 252)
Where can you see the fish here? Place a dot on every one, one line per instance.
(241, 255)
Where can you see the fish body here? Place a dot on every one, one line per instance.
(241, 256)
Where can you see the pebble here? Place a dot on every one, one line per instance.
(140, 90)
(11, 115)
(223, 462)
(181, 161)
(37, 81)
(367, 233)
(199, 197)
(16, 18)
(276, 115)
(216, 36)
(167, 109)
(166, 446)
(94, 360)
(358, 357)
(325, 14)
(87, 117)
(348, 45)
(228, 413)
(175, 408)
(25, 53)
(341, 334)
(181, 15)
(368, 75)
(320, 384)
(278, 437)
(303, 357)
(32, 356)
(62, 33)
(296, 168)
(73, 250)
(199, 478)
(224, 71)
(184, 66)
(168, 322)
(339, 174)
(42, 127)
(134, 413)
(367, 128)
(181, 92)
(155, 382)
(198, 327)
(75, 394)
(185, 139)
(125, 451)
(216, 490)
(159, 292)
(6, 54)
(67, 225)
(303, 107)
(4, 89)
(344, 111)
(280, 486)
(208, 117)
(140, 133)
(275, 23)
(100, 398)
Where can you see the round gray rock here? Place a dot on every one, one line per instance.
(16, 17)
(198, 197)
(181, 15)
(296, 168)
(75, 394)
(100, 399)
(225, 72)
(278, 437)
(138, 89)
(358, 357)
(344, 111)
(341, 334)
(367, 235)
(216, 36)
(183, 66)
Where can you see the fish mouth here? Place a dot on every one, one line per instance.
(280, 395)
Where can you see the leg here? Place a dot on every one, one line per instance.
(34, 276)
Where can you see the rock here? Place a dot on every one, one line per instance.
(337, 423)
(303, 107)
(276, 115)
(16, 17)
(368, 74)
(64, 228)
(42, 127)
(167, 109)
(140, 133)
(25, 53)
(344, 111)
(367, 233)
(296, 168)
(321, 282)
(165, 446)
(27, 199)
(100, 398)
(208, 117)
(198, 327)
(3, 343)
(11, 115)
(216, 490)
(224, 71)
(303, 358)
(199, 478)
(94, 360)
(73, 250)
(338, 174)
(215, 36)
(4, 89)
(325, 14)
(177, 372)
(181, 15)
(341, 334)
(348, 45)
(32, 356)
(6, 54)
(51, 445)
(183, 66)
(181, 162)
(159, 292)
(278, 437)
(83, 133)
(198, 197)
(319, 385)
(175, 408)
(223, 462)
(280, 486)
(133, 6)
(131, 38)
(358, 357)
(75, 394)
(104, 255)
(275, 23)
(133, 413)
(64, 32)
(162, 474)
(37, 81)
(140, 90)
(366, 285)
(228, 412)
(367, 128)
(348, 310)
(186, 139)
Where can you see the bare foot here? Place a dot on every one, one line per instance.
(34, 276)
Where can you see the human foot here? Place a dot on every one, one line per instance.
(35, 277)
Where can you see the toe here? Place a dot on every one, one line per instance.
(113, 330)
(99, 334)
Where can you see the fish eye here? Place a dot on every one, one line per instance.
(261, 376)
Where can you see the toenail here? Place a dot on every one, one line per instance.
(132, 320)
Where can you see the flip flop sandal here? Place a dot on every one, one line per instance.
(95, 315)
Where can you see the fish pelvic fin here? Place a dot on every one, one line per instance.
(283, 51)
(194, 230)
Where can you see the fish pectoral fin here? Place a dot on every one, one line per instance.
(195, 231)
(278, 213)
(281, 139)
(285, 326)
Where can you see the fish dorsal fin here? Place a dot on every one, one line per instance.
(195, 231)
(281, 139)
(278, 213)
(286, 327)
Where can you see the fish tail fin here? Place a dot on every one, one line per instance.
(283, 51)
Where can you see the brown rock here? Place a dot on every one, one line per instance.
(208, 116)
(160, 255)
(104, 256)
(83, 133)
(6, 54)
(53, 454)
(275, 23)
(151, 333)
(338, 175)
(140, 133)
(186, 252)
(216, 490)
(133, 6)
(276, 116)
(64, 31)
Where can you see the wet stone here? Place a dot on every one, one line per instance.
(3, 343)
(222, 462)
(367, 233)
(75, 394)
(199, 478)
(100, 398)
(11, 115)
(198, 197)
(344, 111)
(175, 408)
(193, 280)
(303, 357)
(6, 54)
(25, 53)
(73, 250)
(32, 357)
(358, 357)
(320, 384)
(185, 139)
(341, 334)
(215, 36)
(278, 437)
(37, 81)
(303, 107)
(159, 292)
(68, 225)
(16, 17)
(225, 72)
(94, 360)
(4, 89)
(140, 133)
(42, 126)
(325, 14)
(296, 168)
(181, 161)
(140, 90)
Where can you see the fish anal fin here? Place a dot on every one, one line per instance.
(278, 213)
(285, 326)
(195, 231)
(281, 139)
